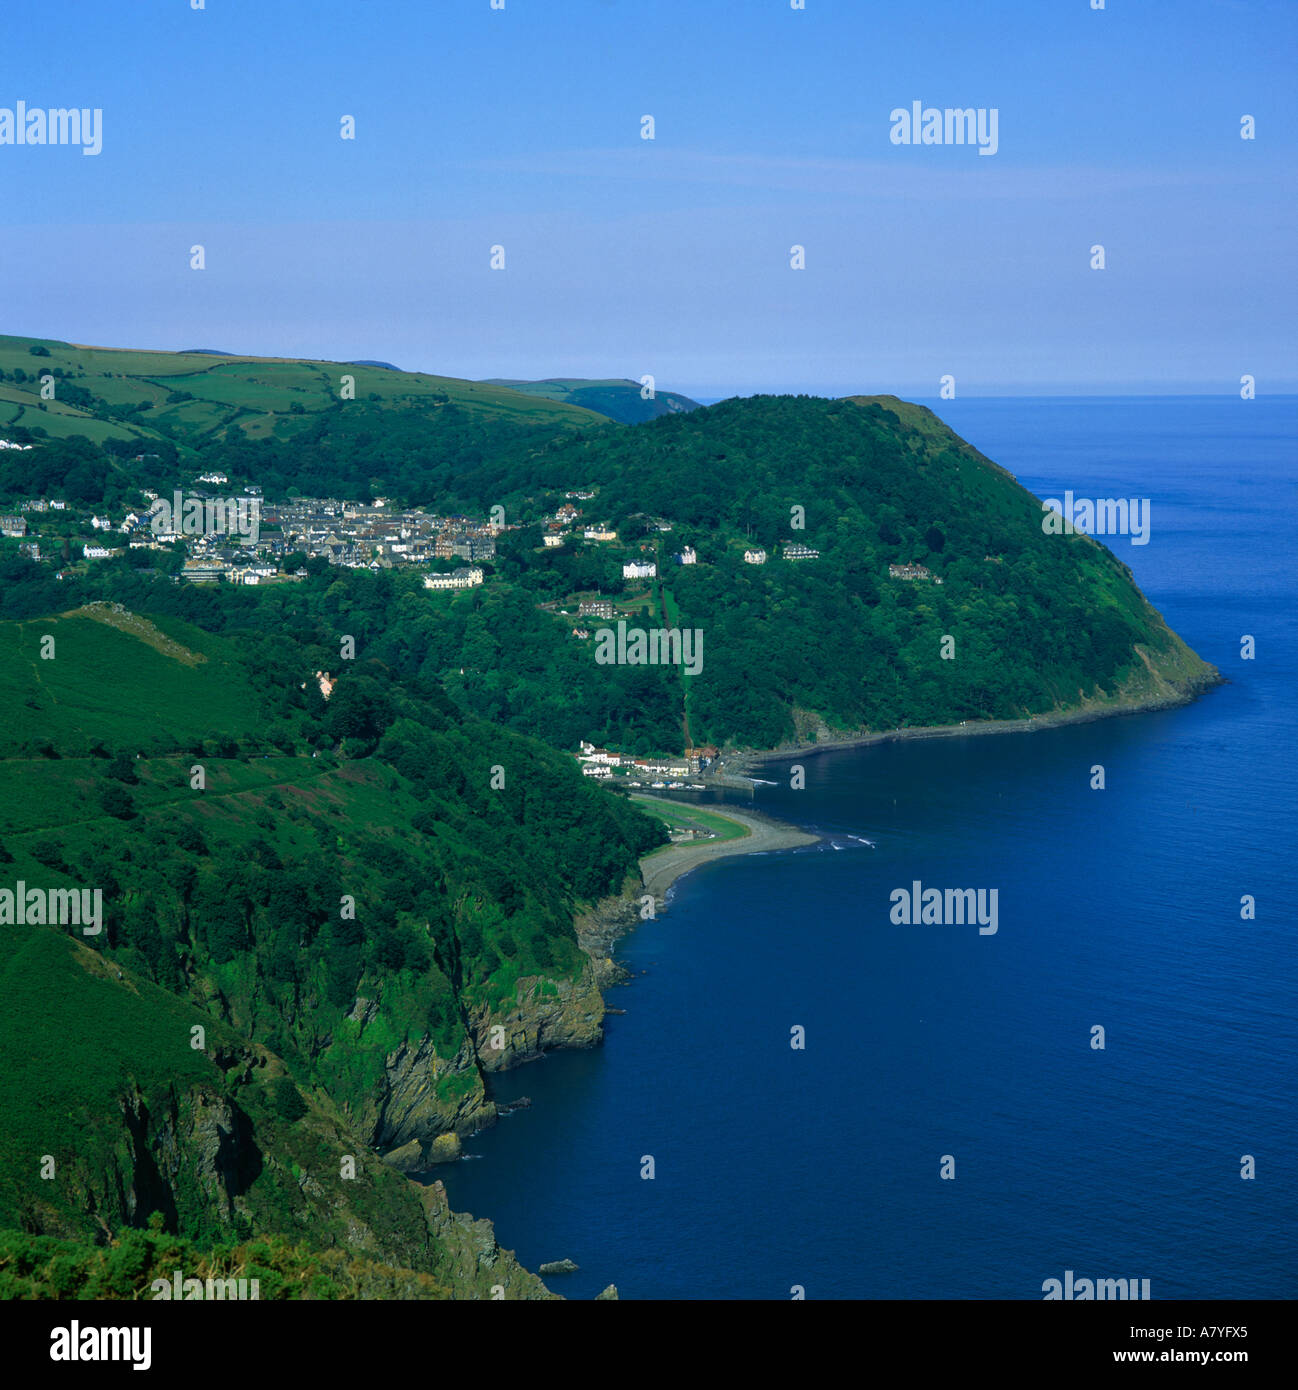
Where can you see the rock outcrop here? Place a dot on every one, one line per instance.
(426, 1103)
(472, 1261)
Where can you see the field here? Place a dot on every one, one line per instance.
(191, 397)
(677, 817)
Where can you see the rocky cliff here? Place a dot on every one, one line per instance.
(427, 1101)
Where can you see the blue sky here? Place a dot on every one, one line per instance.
(521, 128)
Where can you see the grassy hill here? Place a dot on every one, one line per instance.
(191, 398)
(76, 701)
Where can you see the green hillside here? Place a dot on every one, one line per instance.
(191, 398)
(343, 901)
(1006, 621)
(75, 702)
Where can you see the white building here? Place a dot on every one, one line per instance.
(590, 754)
(754, 557)
(457, 579)
(640, 569)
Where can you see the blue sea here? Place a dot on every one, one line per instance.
(777, 1168)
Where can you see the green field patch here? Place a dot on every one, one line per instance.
(119, 679)
(678, 817)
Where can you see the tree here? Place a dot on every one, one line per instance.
(122, 769)
(286, 1099)
(117, 801)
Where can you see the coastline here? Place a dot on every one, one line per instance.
(660, 869)
(576, 1021)
(735, 762)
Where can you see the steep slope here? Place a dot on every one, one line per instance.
(985, 617)
(334, 891)
(123, 1106)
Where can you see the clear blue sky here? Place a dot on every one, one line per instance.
(522, 127)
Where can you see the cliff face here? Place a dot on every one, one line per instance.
(471, 1261)
(219, 1164)
(423, 1095)
(544, 1014)
(427, 1102)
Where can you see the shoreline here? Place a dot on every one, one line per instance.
(660, 869)
(738, 760)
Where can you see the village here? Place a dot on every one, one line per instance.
(355, 535)
(628, 770)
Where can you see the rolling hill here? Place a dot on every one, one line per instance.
(191, 398)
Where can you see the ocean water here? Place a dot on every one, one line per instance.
(819, 1168)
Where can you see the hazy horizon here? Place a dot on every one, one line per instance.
(521, 128)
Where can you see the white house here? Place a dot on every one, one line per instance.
(590, 754)
(457, 579)
(754, 557)
(640, 569)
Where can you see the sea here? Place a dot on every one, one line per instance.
(951, 1127)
